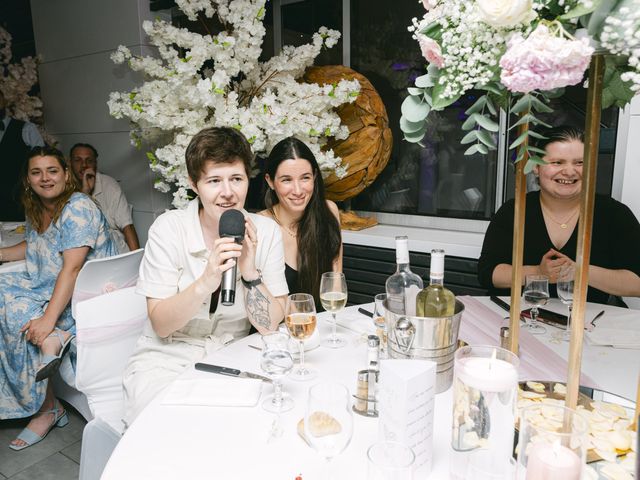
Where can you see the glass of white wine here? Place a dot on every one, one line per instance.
(276, 362)
(301, 321)
(536, 294)
(564, 287)
(328, 421)
(333, 296)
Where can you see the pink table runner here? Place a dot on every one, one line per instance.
(480, 325)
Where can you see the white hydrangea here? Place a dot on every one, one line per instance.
(621, 36)
(199, 87)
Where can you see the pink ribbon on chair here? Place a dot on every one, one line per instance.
(108, 287)
(113, 332)
(480, 325)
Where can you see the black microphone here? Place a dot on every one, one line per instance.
(231, 225)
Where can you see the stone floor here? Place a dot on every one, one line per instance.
(57, 457)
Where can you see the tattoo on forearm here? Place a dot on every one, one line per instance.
(258, 308)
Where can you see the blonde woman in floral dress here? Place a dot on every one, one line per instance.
(64, 228)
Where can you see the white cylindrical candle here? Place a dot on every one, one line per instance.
(552, 462)
(486, 374)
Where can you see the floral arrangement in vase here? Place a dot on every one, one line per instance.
(17, 80)
(199, 81)
(519, 54)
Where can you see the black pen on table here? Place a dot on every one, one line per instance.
(365, 312)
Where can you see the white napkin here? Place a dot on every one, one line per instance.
(353, 320)
(214, 391)
(619, 330)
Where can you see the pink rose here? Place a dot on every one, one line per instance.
(431, 50)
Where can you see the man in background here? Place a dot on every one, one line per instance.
(106, 191)
(16, 139)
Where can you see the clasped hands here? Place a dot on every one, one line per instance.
(552, 264)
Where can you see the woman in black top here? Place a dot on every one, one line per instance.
(310, 224)
(551, 219)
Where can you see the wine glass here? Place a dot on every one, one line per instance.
(301, 322)
(333, 296)
(328, 421)
(564, 287)
(276, 362)
(536, 294)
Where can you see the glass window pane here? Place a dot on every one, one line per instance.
(435, 179)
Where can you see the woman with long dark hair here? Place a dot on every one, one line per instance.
(64, 228)
(310, 224)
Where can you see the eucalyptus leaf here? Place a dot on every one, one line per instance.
(491, 106)
(518, 140)
(414, 91)
(491, 87)
(523, 104)
(414, 110)
(424, 81)
(469, 123)
(415, 137)
(537, 159)
(438, 101)
(540, 106)
(534, 134)
(410, 127)
(472, 136)
(536, 149)
(522, 120)
(555, 93)
(528, 168)
(477, 106)
(482, 148)
(486, 122)
(472, 149)
(486, 138)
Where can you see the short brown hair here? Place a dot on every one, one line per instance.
(218, 145)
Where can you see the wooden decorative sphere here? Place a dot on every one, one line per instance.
(367, 149)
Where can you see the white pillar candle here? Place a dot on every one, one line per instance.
(552, 462)
(487, 374)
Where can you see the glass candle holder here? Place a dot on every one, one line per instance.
(552, 443)
(390, 461)
(485, 393)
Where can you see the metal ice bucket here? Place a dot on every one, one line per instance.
(426, 338)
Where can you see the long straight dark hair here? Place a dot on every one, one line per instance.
(319, 237)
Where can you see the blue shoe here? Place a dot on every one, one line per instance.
(31, 438)
(51, 363)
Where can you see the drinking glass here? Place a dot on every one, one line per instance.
(536, 294)
(328, 421)
(552, 442)
(390, 461)
(301, 321)
(276, 362)
(379, 320)
(333, 296)
(565, 293)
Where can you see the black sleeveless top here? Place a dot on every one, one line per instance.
(292, 279)
(13, 152)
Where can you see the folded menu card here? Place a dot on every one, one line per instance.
(214, 391)
(617, 329)
(406, 396)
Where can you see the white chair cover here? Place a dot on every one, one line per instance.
(106, 275)
(108, 327)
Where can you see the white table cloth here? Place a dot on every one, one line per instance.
(167, 442)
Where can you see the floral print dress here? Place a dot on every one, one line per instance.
(25, 295)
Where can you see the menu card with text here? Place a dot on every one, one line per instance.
(406, 395)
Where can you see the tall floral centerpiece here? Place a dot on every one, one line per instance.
(199, 81)
(17, 79)
(519, 54)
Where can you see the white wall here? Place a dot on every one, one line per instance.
(627, 171)
(75, 39)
